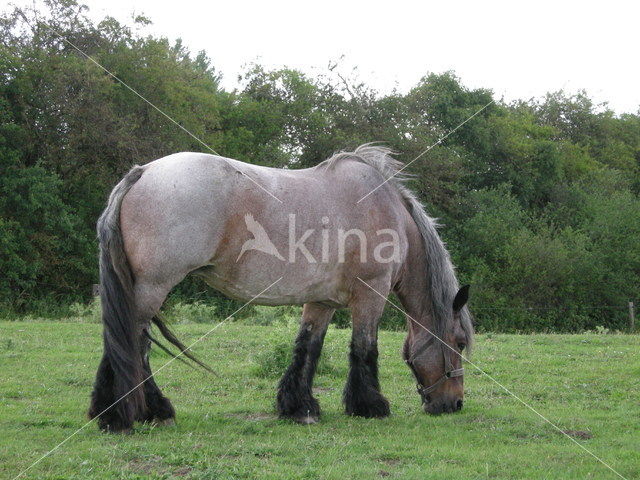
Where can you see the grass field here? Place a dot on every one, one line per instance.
(226, 427)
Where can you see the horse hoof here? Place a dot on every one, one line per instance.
(377, 408)
(115, 428)
(121, 431)
(167, 422)
(306, 420)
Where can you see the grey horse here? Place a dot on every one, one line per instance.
(343, 234)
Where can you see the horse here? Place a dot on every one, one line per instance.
(310, 237)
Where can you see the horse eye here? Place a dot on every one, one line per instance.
(461, 346)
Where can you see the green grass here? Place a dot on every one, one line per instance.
(226, 426)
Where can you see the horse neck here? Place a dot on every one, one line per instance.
(414, 294)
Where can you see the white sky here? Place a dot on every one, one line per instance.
(518, 50)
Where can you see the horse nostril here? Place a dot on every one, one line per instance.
(459, 405)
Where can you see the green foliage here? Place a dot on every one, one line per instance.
(284, 315)
(39, 236)
(192, 312)
(568, 268)
(276, 355)
(87, 312)
(539, 199)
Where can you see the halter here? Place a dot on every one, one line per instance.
(449, 371)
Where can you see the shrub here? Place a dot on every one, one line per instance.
(88, 312)
(284, 315)
(273, 360)
(196, 312)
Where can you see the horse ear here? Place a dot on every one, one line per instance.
(461, 298)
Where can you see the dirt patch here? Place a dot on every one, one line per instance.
(392, 462)
(182, 471)
(147, 465)
(383, 473)
(582, 434)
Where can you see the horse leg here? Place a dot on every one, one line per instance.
(362, 395)
(159, 408)
(295, 399)
(149, 299)
(103, 398)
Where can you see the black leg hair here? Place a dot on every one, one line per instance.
(362, 395)
(295, 399)
(102, 399)
(159, 407)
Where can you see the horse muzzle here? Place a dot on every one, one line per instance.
(436, 406)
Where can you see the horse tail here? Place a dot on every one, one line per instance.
(166, 332)
(121, 332)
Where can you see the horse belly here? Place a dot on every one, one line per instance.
(273, 284)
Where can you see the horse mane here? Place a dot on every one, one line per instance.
(442, 281)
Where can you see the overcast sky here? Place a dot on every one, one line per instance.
(517, 50)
